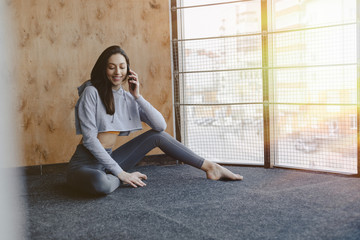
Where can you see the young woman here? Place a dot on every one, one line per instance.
(103, 112)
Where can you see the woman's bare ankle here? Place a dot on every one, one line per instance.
(216, 172)
(207, 166)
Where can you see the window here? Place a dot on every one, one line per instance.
(282, 72)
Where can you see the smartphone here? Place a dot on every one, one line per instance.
(132, 86)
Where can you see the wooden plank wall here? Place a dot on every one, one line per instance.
(58, 42)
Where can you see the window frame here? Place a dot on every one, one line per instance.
(269, 105)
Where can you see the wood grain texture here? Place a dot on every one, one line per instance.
(58, 42)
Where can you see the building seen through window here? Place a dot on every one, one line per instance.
(311, 75)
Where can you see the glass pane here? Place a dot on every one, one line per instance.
(220, 54)
(309, 13)
(330, 45)
(221, 87)
(314, 66)
(317, 137)
(220, 20)
(228, 134)
(325, 85)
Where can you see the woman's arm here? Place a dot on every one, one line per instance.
(87, 120)
(150, 115)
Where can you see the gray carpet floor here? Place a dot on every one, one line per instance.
(180, 203)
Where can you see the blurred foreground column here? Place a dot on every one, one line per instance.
(11, 211)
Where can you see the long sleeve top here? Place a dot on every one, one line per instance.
(91, 118)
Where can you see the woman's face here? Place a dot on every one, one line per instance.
(116, 70)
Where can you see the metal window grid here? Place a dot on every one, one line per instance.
(251, 98)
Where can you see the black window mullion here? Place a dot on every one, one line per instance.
(265, 78)
(175, 51)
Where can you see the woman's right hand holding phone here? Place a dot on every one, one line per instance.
(134, 84)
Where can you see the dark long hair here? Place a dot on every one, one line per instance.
(101, 82)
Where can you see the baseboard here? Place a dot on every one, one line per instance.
(159, 159)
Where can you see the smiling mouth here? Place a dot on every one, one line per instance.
(117, 78)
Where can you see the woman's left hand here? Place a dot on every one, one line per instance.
(134, 84)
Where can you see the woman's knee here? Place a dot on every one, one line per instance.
(100, 185)
(159, 134)
(93, 182)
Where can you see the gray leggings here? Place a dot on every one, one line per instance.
(85, 173)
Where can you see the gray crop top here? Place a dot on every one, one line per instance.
(91, 118)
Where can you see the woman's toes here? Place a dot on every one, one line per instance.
(239, 177)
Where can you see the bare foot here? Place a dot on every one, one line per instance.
(216, 172)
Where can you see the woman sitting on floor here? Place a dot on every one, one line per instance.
(103, 112)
